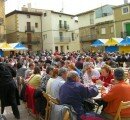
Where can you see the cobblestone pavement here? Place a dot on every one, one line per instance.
(23, 113)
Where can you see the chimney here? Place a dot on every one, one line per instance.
(24, 8)
(29, 7)
(125, 1)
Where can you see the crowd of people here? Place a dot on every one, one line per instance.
(71, 78)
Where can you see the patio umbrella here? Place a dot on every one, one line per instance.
(111, 42)
(97, 43)
(125, 42)
(18, 46)
(5, 47)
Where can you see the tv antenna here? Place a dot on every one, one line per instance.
(62, 9)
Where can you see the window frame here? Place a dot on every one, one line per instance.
(67, 47)
(102, 29)
(123, 10)
(45, 14)
(36, 25)
(111, 29)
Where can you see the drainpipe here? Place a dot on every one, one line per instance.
(41, 32)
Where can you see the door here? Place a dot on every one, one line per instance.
(56, 48)
(29, 37)
(30, 47)
(128, 29)
(61, 48)
(28, 26)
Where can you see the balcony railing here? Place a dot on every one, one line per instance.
(1, 21)
(88, 38)
(125, 34)
(63, 27)
(62, 39)
(2, 37)
(30, 42)
(29, 29)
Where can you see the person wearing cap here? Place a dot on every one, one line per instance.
(119, 92)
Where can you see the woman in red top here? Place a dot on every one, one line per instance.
(106, 76)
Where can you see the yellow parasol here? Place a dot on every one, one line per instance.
(111, 42)
(6, 47)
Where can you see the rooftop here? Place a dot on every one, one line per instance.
(121, 5)
(23, 12)
(92, 10)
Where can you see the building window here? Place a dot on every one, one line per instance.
(125, 10)
(72, 35)
(36, 25)
(1, 21)
(65, 24)
(45, 14)
(112, 29)
(28, 16)
(104, 14)
(60, 23)
(67, 47)
(91, 19)
(103, 31)
(45, 36)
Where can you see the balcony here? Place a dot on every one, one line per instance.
(1, 21)
(88, 38)
(30, 42)
(29, 29)
(64, 40)
(63, 27)
(125, 34)
(2, 37)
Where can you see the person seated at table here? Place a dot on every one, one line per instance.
(100, 63)
(119, 92)
(89, 73)
(73, 93)
(111, 63)
(35, 78)
(106, 76)
(51, 80)
(128, 76)
(72, 67)
(58, 82)
(87, 61)
(30, 70)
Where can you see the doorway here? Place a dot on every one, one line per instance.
(62, 48)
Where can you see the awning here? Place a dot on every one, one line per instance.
(6, 47)
(125, 42)
(18, 46)
(113, 41)
(99, 42)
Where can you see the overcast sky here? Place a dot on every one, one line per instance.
(70, 6)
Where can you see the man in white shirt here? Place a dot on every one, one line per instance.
(59, 81)
(89, 74)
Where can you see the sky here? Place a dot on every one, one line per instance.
(70, 6)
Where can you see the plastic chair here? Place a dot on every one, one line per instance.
(123, 105)
(66, 116)
(48, 106)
